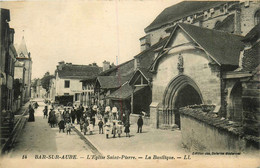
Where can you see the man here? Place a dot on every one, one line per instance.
(139, 124)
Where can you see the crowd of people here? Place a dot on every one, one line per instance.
(109, 120)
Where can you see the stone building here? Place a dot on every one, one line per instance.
(189, 70)
(231, 16)
(111, 82)
(199, 64)
(68, 77)
(7, 61)
(88, 86)
(23, 56)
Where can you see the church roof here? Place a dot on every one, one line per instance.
(181, 10)
(224, 48)
(22, 49)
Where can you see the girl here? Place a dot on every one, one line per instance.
(127, 129)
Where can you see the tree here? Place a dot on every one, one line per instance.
(45, 81)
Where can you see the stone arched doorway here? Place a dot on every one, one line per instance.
(180, 92)
(235, 106)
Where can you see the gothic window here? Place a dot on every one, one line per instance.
(257, 17)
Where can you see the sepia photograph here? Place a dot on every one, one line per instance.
(118, 83)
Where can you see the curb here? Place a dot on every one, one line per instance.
(15, 132)
(93, 147)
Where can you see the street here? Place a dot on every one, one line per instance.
(39, 138)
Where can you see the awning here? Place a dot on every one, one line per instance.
(124, 92)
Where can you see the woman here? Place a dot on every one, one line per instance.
(31, 114)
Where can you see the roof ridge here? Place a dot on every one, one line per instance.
(220, 31)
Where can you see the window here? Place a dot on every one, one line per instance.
(66, 94)
(257, 17)
(67, 84)
(76, 96)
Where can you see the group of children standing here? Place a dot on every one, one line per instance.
(111, 124)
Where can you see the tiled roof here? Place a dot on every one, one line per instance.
(110, 82)
(222, 46)
(107, 72)
(145, 72)
(253, 34)
(181, 10)
(251, 58)
(78, 71)
(152, 48)
(124, 92)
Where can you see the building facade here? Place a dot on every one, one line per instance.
(231, 16)
(68, 77)
(7, 62)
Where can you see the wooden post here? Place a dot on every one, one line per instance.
(132, 102)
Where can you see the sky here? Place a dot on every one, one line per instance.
(80, 31)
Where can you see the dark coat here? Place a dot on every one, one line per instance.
(140, 122)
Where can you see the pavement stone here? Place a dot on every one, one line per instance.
(149, 142)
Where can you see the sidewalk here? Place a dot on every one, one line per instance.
(150, 142)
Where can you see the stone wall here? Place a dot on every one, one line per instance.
(134, 118)
(247, 16)
(203, 131)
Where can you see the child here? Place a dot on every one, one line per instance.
(81, 123)
(61, 125)
(91, 127)
(85, 128)
(107, 129)
(127, 129)
(45, 112)
(68, 127)
(114, 130)
(100, 125)
(119, 128)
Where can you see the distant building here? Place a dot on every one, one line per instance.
(24, 57)
(68, 78)
(19, 75)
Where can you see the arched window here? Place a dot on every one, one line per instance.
(257, 17)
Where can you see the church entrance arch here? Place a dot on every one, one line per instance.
(180, 92)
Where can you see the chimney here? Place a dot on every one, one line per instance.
(145, 42)
(61, 63)
(94, 64)
(106, 65)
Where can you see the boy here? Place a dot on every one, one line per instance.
(68, 127)
(119, 128)
(107, 129)
(61, 125)
(91, 127)
(100, 125)
(81, 123)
